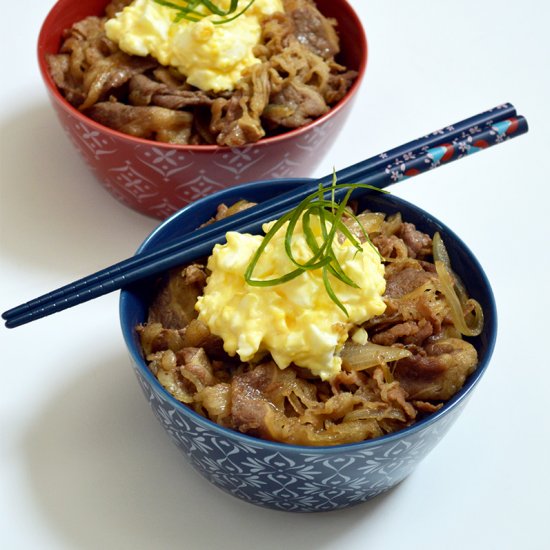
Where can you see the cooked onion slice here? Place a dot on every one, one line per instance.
(440, 254)
(466, 312)
(361, 357)
(473, 309)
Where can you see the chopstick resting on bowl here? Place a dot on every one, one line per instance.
(384, 161)
(413, 158)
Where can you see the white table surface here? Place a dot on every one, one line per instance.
(83, 462)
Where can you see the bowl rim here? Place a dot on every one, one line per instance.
(460, 397)
(56, 94)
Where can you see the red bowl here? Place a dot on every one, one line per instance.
(158, 179)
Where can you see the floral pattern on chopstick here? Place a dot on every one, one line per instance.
(472, 140)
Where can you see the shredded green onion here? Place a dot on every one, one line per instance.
(323, 256)
(186, 9)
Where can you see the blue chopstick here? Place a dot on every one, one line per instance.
(454, 142)
(358, 171)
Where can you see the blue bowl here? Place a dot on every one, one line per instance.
(291, 477)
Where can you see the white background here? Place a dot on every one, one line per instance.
(83, 462)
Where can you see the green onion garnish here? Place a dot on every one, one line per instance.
(323, 256)
(186, 9)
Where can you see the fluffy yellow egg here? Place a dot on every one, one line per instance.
(211, 56)
(296, 322)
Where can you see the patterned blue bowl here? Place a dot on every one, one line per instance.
(290, 477)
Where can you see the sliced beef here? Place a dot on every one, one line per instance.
(236, 121)
(418, 244)
(338, 85)
(110, 73)
(174, 305)
(146, 91)
(83, 44)
(196, 367)
(312, 29)
(89, 66)
(393, 393)
(409, 332)
(438, 371)
(249, 403)
(409, 318)
(59, 68)
(154, 123)
(295, 105)
(390, 246)
(403, 278)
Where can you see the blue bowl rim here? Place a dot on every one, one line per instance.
(420, 425)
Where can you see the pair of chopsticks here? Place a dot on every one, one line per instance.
(443, 146)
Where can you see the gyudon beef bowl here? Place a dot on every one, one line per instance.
(167, 106)
(307, 387)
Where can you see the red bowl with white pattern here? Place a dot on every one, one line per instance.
(158, 179)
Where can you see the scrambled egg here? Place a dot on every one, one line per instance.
(297, 322)
(212, 57)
